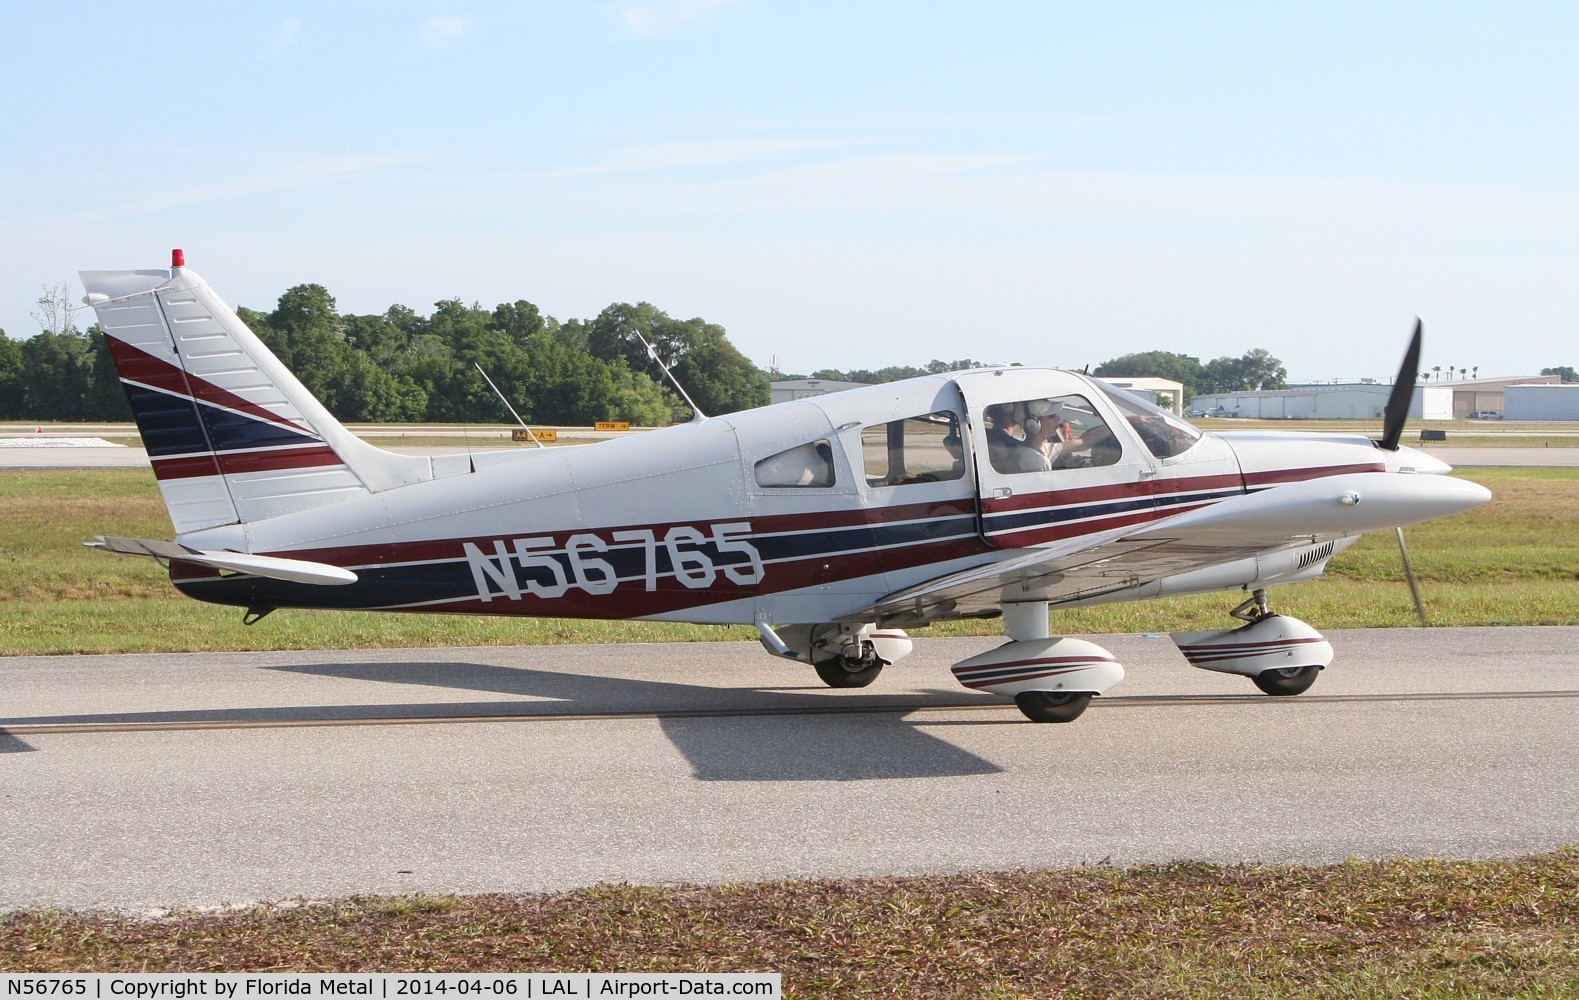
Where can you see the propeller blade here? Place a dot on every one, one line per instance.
(1403, 393)
(1409, 574)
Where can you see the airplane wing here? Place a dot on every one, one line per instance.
(1294, 518)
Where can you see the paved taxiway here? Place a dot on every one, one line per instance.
(133, 782)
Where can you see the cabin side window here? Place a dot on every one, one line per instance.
(805, 466)
(922, 449)
(1055, 432)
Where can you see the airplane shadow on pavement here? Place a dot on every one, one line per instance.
(726, 734)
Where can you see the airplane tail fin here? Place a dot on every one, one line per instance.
(232, 435)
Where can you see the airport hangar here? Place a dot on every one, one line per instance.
(1365, 400)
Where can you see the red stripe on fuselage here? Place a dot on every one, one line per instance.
(1276, 477)
(231, 463)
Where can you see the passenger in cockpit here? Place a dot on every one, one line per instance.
(1007, 449)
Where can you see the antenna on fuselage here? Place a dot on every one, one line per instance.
(697, 416)
(507, 405)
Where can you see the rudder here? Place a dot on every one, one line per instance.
(232, 435)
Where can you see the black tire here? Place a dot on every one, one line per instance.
(1285, 681)
(1052, 706)
(843, 673)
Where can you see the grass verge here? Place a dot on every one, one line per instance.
(1361, 929)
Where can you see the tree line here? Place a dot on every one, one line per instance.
(893, 373)
(400, 366)
(1255, 369)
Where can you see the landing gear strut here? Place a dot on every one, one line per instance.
(844, 654)
(851, 655)
(850, 671)
(1253, 609)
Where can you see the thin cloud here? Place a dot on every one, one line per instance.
(644, 20)
(702, 153)
(283, 37)
(307, 173)
(440, 34)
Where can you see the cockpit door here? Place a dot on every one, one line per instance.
(1053, 458)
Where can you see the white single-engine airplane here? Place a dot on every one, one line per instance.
(831, 524)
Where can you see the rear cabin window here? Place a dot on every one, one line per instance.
(923, 449)
(806, 466)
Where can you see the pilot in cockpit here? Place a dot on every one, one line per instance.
(1008, 448)
(1045, 429)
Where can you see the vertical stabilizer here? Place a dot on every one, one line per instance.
(232, 435)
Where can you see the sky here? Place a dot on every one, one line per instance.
(838, 184)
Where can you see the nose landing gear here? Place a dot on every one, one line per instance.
(1281, 655)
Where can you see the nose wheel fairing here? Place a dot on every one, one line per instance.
(1271, 642)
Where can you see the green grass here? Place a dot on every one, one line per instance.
(1513, 562)
(1466, 439)
(1361, 929)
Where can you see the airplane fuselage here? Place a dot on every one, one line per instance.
(677, 524)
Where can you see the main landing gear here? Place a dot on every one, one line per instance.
(1050, 678)
(1053, 678)
(1281, 655)
(844, 655)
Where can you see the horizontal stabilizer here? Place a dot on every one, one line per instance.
(273, 567)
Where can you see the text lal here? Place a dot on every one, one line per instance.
(616, 988)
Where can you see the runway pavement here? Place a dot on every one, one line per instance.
(137, 782)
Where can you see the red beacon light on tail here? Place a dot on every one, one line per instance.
(177, 258)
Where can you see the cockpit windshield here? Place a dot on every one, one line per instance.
(1163, 434)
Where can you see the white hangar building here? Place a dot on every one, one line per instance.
(1542, 402)
(802, 388)
(1445, 400)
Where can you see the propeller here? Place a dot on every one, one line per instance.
(1394, 417)
(1403, 393)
